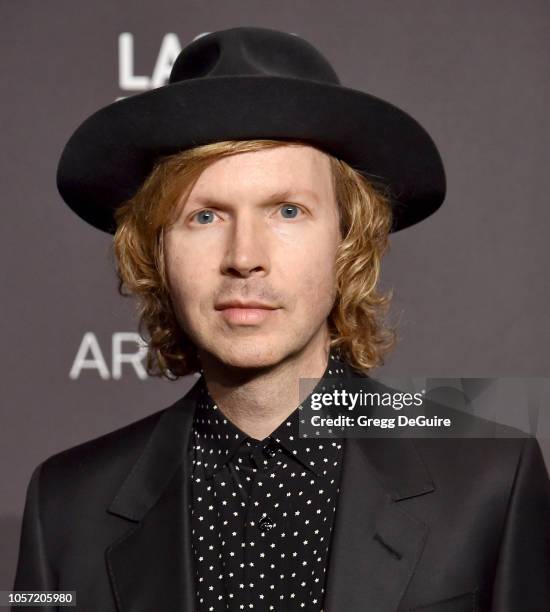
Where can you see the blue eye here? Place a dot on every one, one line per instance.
(291, 209)
(206, 215)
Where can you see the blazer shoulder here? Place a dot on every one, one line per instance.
(477, 446)
(107, 447)
(106, 458)
(488, 467)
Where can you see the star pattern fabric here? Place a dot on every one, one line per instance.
(262, 511)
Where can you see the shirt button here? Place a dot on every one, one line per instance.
(266, 524)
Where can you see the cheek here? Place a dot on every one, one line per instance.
(185, 278)
(319, 284)
(310, 270)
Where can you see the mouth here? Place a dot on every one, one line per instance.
(242, 304)
(246, 313)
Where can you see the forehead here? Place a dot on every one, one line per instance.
(297, 169)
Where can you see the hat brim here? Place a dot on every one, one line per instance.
(112, 152)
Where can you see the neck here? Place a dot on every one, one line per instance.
(258, 401)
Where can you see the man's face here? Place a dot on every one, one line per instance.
(257, 227)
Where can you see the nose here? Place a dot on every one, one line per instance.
(247, 246)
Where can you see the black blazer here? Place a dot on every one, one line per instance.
(434, 525)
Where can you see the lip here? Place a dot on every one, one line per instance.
(245, 313)
(236, 304)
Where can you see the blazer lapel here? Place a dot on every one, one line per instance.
(151, 566)
(375, 544)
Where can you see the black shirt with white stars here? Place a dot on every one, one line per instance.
(262, 511)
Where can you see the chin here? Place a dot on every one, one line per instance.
(249, 353)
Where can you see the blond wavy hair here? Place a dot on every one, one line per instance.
(357, 322)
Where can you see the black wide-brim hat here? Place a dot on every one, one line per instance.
(240, 84)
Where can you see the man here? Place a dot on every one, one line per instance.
(254, 245)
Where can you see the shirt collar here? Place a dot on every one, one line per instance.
(219, 438)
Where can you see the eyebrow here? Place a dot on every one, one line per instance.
(277, 195)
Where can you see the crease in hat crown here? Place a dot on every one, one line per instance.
(247, 51)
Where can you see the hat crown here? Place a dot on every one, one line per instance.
(245, 51)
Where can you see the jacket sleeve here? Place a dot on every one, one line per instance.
(522, 580)
(34, 572)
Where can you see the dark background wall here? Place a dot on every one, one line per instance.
(471, 283)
